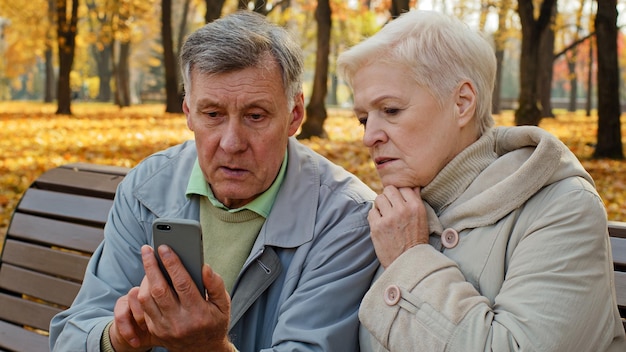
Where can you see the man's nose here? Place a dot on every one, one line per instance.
(233, 138)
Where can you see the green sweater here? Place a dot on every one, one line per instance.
(227, 239)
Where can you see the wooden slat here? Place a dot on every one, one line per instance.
(26, 312)
(75, 181)
(617, 229)
(99, 168)
(47, 288)
(620, 288)
(62, 206)
(55, 232)
(14, 338)
(64, 209)
(46, 260)
(618, 248)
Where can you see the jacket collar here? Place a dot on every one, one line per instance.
(496, 175)
(292, 218)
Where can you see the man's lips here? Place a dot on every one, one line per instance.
(232, 171)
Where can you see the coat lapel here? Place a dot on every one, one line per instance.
(253, 282)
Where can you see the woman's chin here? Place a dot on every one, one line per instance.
(398, 183)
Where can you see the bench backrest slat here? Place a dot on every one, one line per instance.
(48, 288)
(617, 229)
(617, 232)
(45, 260)
(89, 183)
(618, 248)
(620, 288)
(54, 230)
(15, 338)
(67, 207)
(26, 311)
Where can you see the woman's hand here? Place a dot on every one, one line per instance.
(398, 221)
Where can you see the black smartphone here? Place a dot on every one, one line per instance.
(184, 236)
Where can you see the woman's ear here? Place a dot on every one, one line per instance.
(466, 102)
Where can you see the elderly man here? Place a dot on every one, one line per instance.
(285, 232)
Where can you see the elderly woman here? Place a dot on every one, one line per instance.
(491, 239)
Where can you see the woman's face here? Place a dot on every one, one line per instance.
(409, 136)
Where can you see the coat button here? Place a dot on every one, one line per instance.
(449, 238)
(392, 295)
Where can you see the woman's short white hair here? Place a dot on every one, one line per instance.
(440, 50)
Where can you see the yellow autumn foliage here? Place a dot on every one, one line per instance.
(33, 140)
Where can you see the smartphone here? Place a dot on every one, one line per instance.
(184, 236)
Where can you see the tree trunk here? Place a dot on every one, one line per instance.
(117, 100)
(316, 110)
(213, 10)
(528, 112)
(573, 83)
(173, 100)
(572, 59)
(50, 80)
(398, 7)
(122, 76)
(499, 43)
(497, 88)
(102, 50)
(105, 72)
(589, 79)
(609, 134)
(182, 28)
(546, 64)
(66, 35)
(331, 97)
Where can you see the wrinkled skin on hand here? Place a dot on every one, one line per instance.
(398, 221)
(179, 319)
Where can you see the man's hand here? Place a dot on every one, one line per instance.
(180, 319)
(125, 333)
(398, 221)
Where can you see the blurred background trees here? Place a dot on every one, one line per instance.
(551, 54)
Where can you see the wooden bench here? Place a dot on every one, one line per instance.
(59, 223)
(617, 232)
(55, 228)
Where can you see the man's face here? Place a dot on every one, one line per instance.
(241, 121)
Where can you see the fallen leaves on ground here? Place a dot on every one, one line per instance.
(33, 139)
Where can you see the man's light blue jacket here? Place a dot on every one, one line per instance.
(300, 287)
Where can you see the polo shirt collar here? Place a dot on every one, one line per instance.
(261, 205)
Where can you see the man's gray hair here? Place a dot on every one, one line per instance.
(242, 40)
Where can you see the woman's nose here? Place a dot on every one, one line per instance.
(373, 134)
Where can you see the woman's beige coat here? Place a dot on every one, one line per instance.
(532, 270)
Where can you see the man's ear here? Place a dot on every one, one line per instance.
(187, 114)
(466, 102)
(297, 114)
